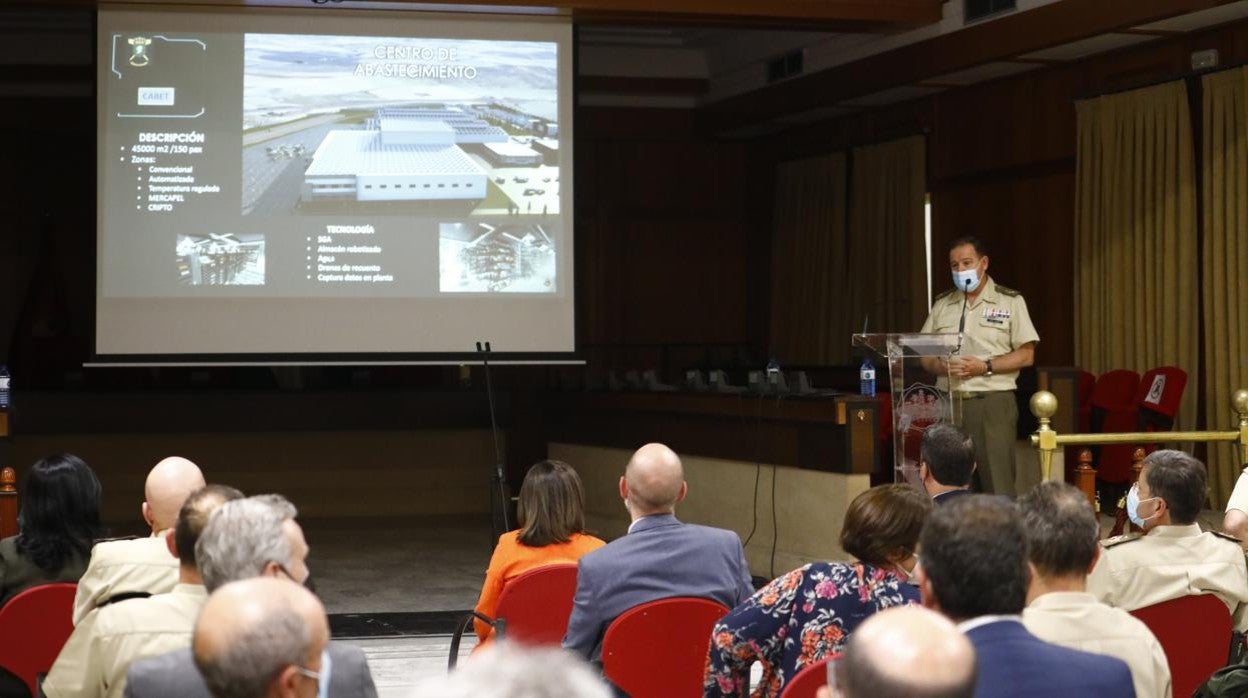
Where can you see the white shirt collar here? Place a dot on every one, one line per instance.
(969, 625)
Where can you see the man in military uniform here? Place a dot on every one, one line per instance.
(1172, 558)
(1000, 340)
(97, 654)
(1062, 533)
(141, 566)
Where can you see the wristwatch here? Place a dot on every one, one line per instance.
(988, 367)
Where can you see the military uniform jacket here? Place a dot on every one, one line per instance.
(1078, 621)
(122, 566)
(1169, 562)
(98, 653)
(997, 322)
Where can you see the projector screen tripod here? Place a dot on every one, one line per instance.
(500, 493)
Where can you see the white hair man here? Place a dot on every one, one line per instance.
(507, 670)
(262, 638)
(254, 537)
(121, 569)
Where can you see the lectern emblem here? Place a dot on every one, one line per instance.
(138, 49)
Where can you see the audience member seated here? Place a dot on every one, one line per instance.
(507, 670)
(809, 613)
(907, 651)
(94, 660)
(253, 537)
(142, 566)
(58, 521)
(551, 512)
(1062, 533)
(1235, 521)
(1172, 558)
(946, 462)
(660, 557)
(263, 638)
(975, 571)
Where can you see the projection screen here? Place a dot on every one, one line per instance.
(332, 185)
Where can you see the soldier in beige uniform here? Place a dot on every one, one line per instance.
(1172, 558)
(1062, 533)
(141, 565)
(1000, 340)
(95, 659)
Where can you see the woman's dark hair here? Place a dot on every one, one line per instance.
(552, 504)
(884, 522)
(60, 511)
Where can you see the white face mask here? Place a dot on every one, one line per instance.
(961, 279)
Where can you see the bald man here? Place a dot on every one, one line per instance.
(94, 660)
(262, 637)
(659, 558)
(121, 569)
(905, 651)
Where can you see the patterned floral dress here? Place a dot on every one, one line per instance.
(796, 620)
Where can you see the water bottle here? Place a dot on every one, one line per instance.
(866, 378)
(4, 387)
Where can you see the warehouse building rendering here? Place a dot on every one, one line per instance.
(402, 154)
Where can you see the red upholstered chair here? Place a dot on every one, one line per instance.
(659, 649)
(1195, 632)
(533, 609)
(809, 679)
(1158, 396)
(1114, 410)
(34, 625)
(1087, 382)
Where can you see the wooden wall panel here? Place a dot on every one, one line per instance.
(1027, 224)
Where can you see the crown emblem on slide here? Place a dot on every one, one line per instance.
(138, 50)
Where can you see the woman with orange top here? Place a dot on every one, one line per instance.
(551, 510)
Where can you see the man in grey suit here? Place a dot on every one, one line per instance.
(659, 558)
(256, 537)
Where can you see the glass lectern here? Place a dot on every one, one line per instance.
(922, 390)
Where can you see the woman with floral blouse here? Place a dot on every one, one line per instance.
(808, 614)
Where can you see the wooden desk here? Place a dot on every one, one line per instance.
(835, 434)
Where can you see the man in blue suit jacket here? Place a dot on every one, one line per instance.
(974, 570)
(946, 462)
(659, 558)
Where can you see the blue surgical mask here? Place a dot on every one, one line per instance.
(960, 279)
(1133, 506)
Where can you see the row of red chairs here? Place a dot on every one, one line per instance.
(1122, 401)
(659, 648)
(655, 649)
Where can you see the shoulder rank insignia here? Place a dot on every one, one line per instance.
(1007, 291)
(1119, 540)
(942, 294)
(1227, 536)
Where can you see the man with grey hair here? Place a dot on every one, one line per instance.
(97, 655)
(1062, 533)
(140, 567)
(904, 651)
(508, 670)
(262, 637)
(659, 558)
(1172, 558)
(253, 537)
